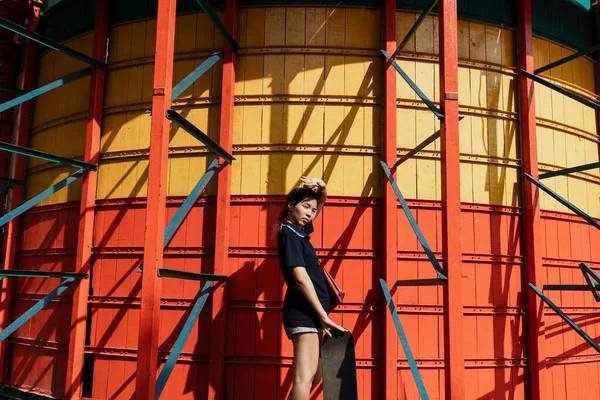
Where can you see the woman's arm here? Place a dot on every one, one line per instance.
(322, 190)
(308, 290)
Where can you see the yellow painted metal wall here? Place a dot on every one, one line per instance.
(567, 130)
(488, 132)
(308, 101)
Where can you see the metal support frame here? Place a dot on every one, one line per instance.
(14, 393)
(37, 307)
(223, 206)
(156, 204)
(532, 222)
(40, 197)
(165, 373)
(44, 89)
(36, 37)
(391, 379)
(404, 341)
(567, 59)
(212, 15)
(571, 170)
(565, 318)
(438, 113)
(590, 220)
(413, 223)
(416, 25)
(577, 97)
(46, 156)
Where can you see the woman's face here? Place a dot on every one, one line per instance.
(303, 212)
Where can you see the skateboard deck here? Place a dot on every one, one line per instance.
(339, 367)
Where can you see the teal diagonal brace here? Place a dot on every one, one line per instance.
(589, 274)
(165, 373)
(198, 134)
(438, 113)
(571, 170)
(413, 224)
(416, 25)
(43, 89)
(404, 341)
(565, 318)
(46, 156)
(187, 205)
(37, 307)
(420, 147)
(36, 37)
(40, 197)
(212, 15)
(22, 273)
(195, 74)
(564, 201)
(190, 276)
(13, 393)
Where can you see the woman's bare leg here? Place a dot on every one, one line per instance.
(306, 364)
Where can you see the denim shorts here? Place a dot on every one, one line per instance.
(289, 331)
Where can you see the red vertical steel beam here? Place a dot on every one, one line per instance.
(83, 258)
(390, 207)
(7, 115)
(533, 230)
(221, 259)
(453, 308)
(156, 204)
(15, 197)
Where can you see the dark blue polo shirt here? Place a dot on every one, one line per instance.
(295, 250)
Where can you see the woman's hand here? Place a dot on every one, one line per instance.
(328, 324)
(311, 182)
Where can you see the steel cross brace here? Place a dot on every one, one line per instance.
(36, 37)
(416, 25)
(567, 171)
(414, 225)
(44, 89)
(212, 15)
(420, 147)
(40, 197)
(438, 113)
(193, 76)
(165, 373)
(592, 280)
(567, 59)
(404, 341)
(561, 90)
(565, 318)
(198, 134)
(37, 307)
(564, 201)
(46, 156)
(188, 203)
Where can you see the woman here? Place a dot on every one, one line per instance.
(306, 302)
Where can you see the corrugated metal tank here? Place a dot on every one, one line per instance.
(308, 101)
